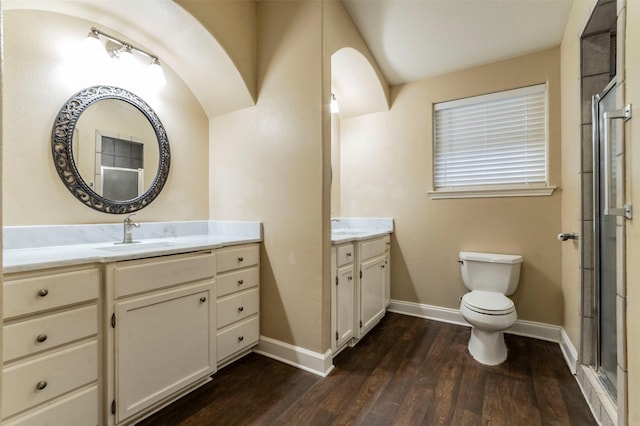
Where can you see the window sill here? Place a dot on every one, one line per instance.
(492, 192)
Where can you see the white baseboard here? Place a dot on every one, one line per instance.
(322, 364)
(313, 362)
(569, 352)
(536, 330)
(452, 316)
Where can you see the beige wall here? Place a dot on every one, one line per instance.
(387, 170)
(267, 164)
(233, 25)
(632, 46)
(43, 67)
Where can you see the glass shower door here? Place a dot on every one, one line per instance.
(605, 239)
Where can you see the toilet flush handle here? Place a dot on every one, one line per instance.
(460, 261)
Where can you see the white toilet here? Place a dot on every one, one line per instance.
(491, 278)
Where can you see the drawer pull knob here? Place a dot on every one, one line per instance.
(203, 299)
(41, 384)
(240, 259)
(43, 292)
(348, 254)
(240, 282)
(350, 278)
(241, 308)
(241, 338)
(41, 338)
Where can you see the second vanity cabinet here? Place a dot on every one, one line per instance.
(51, 347)
(163, 329)
(360, 290)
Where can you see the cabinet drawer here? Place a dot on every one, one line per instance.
(33, 294)
(345, 254)
(147, 275)
(371, 248)
(59, 372)
(238, 337)
(78, 409)
(236, 281)
(238, 257)
(35, 335)
(237, 307)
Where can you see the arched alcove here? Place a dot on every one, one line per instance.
(356, 84)
(170, 32)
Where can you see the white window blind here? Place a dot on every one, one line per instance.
(496, 139)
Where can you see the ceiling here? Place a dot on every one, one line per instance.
(416, 39)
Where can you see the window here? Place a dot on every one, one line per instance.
(492, 145)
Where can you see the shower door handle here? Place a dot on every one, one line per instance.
(623, 114)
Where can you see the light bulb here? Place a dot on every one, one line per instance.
(333, 105)
(92, 41)
(126, 57)
(156, 74)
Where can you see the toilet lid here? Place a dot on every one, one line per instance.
(488, 302)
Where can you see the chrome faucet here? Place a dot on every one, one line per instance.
(128, 229)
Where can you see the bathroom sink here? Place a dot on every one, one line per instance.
(139, 245)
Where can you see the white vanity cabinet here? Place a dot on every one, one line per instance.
(51, 347)
(238, 301)
(342, 295)
(372, 288)
(360, 289)
(163, 331)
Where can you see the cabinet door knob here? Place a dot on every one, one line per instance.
(240, 259)
(41, 338)
(240, 338)
(203, 299)
(348, 254)
(349, 277)
(43, 292)
(241, 308)
(41, 384)
(240, 282)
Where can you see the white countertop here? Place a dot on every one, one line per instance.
(356, 235)
(33, 248)
(28, 248)
(346, 229)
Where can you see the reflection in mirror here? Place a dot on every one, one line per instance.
(113, 144)
(110, 149)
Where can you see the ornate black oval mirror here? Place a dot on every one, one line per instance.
(110, 149)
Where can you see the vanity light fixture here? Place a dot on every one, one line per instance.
(333, 105)
(119, 49)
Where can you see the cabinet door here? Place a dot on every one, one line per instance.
(345, 293)
(164, 342)
(372, 293)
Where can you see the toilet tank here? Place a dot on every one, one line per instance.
(490, 271)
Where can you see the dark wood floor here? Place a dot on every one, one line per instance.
(407, 371)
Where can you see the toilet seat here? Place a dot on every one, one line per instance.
(488, 302)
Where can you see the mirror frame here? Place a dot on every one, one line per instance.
(62, 143)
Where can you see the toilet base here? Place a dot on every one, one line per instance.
(487, 347)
